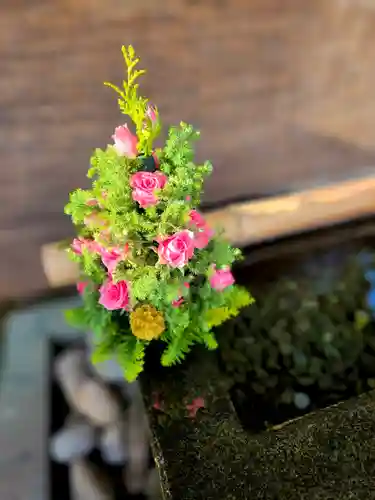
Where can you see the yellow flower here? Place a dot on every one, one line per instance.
(146, 322)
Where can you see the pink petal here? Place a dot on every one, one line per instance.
(195, 405)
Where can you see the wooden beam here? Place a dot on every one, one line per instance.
(258, 221)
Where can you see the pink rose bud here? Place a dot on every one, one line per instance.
(156, 159)
(79, 244)
(151, 113)
(144, 185)
(202, 232)
(125, 142)
(196, 219)
(114, 296)
(81, 286)
(178, 302)
(202, 237)
(221, 278)
(194, 406)
(93, 246)
(176, 250)
(92, 202)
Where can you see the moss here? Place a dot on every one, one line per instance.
(329, 454)
(309, 336)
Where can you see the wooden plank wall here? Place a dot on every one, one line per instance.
(281, 90)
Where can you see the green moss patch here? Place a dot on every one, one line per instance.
(329, 454)
(297, 349)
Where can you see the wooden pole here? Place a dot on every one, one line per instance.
(259, 220)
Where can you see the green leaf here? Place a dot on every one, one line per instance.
(177, 348)
(77, 317)
(130, 356)
(361, 320)
(210, 340)
(100, 354)
(144, 285)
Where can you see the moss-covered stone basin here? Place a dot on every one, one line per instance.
(326, 454)
(329, 454)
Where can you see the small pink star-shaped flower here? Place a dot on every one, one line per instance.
(194, 406)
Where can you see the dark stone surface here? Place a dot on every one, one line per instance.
(24, 396)
(326, 455)
(329, 454)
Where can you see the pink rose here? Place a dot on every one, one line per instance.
(221, 278)
(81, 286)
(202, 232)
(112, 256)
(144, 185)
(114, 296)
(176, 250)
(125, 142)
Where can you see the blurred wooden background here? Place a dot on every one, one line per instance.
(282, 90)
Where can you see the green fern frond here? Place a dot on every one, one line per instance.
(130, 356)
(178, 348)
(133, 105)
(209, 340)
(238, 297)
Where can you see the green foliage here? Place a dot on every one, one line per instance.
(295, 340)
(130, 355)
(111, 223)
(91, 315)
(131, 104)
(236, 299)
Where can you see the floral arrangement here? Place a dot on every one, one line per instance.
(151, 266)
